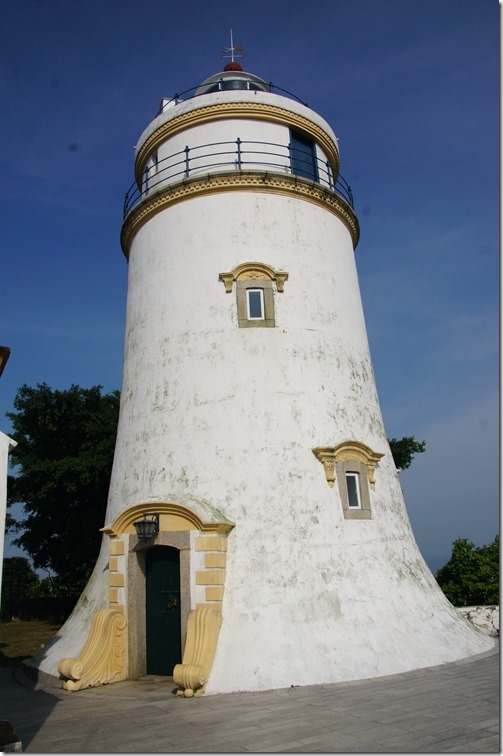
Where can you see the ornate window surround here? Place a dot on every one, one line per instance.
(254, 275)
(350, 456)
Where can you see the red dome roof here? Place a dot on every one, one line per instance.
(233, 65)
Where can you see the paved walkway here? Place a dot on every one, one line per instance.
(450, 708)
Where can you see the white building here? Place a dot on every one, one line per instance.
(250, 426)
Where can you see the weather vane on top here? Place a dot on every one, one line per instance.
(235, 52)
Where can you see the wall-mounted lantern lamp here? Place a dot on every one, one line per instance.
(148, 527)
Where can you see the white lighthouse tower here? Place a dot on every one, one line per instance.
(250, 437)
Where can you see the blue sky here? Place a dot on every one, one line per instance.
(410, 88)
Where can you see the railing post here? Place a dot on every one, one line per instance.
(329, 174)
(238, 142)
(187, 168)
(350, 193)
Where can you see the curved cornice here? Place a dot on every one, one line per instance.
(356, 450)
(128, 516)
(254, 270)
(254, 181)
(257, 111)
(347, 451)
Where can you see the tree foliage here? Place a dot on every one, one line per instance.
(19, 580)
(63, 458)
(404, 450)
(471, 576)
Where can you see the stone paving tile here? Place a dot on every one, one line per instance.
(281, 746)
(494, 728)
(384, 733)
(412, 741)
(486, 746)
(283, 724)
(254, 741)
(487, 741)
(413, 724)
(483, 724)
(369, 747)
(460, 741)
(332, 739)
(447, 708)
(222, 749)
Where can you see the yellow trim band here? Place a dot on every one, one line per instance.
(253, 181)
(256, 111)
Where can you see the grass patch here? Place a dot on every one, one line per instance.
(22, 640)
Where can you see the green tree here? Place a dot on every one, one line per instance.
(19, 580)
(63, 461)
(471, 576)
(404, 450)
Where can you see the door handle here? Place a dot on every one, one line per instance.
(171, 598)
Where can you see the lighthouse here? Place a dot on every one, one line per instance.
(256, 534)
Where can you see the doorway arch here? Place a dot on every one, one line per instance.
(199, 532)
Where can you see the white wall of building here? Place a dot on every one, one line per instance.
(231, 415)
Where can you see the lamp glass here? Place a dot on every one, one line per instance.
(147, 528)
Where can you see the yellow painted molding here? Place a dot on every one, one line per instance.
(117, 547)
(116, 580)
(254, 270)
(102, 660)
(354, 450)
(256, 111)
(177, 516)
(347, 451)
(214, 593)
(113, 595)
(215, 560)
(210, 543)
(203, 628)
(325, 454)
(210, 577)
(113, 564)
(247, 181)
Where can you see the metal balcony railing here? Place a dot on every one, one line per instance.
(223, 85)
(236, 156)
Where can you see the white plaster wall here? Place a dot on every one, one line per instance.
(208, 154)
(231, 415)
(186, 359)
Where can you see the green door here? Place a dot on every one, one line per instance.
(163, 621)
